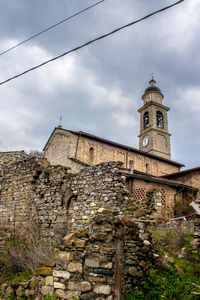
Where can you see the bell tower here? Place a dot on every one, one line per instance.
(154, 136)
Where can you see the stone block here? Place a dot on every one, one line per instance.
(80, 243)
(32, 292)
(83, 286)
(19, 291)
(47, 290)
(61, 294)
(103, 271)
(45, 271)
(91, 263)
(100, 210)
(67, 295)
(59, 285)
(49, 280)
(107, 265)
(147, 243)
(62, 256)
(27, 292)
(102, 289)
(61, 274)
(75, 267)
(34, 282)
(96, 279)
(132, 271)
(24, 284)
(69, 239)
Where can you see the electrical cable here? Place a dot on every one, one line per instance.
(160, 220)
(90, 42)
(52, 26)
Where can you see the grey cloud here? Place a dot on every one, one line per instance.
(125, 60)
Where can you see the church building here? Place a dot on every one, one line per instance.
(77, 149)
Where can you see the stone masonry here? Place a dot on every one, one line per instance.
(64, 146)
(104, 260)
(100, 252)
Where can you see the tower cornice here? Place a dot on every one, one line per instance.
(146, 131)
(153, 103)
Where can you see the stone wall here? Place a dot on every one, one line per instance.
(103, 254)
(158, 200)
(104, 260)
(190, 177)
(31, 190)
(12, 156)
(56, 200)
(96, 189)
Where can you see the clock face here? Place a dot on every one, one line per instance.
(145, 141)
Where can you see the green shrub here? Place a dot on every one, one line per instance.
(178, 280)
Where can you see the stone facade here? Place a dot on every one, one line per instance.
(76, 150)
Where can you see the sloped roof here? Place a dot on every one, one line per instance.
(182, 172)
(150, 178)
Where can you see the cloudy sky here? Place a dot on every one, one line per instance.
(98, 89)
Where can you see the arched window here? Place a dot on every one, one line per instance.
(160, 119)
(147, 168)
(91, 155)
(146, 119)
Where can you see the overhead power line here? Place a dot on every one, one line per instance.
(90, 42)
(52, 26)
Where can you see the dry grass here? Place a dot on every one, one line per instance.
(26, 250)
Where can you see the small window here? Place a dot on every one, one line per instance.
(146, 119)
(147, 168)
(160, 119)
(91, 155)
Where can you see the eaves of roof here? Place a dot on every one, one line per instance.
(181, 172)
(149, 178)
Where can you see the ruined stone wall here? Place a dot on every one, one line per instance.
(104, 260)
(31, 192)
(104, 254)
(96, 189)
(12, 156)
(56, 200)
